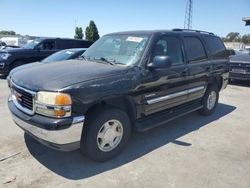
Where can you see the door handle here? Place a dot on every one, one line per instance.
(184, 72)
(209, 68)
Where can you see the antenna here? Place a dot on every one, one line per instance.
(188, 15)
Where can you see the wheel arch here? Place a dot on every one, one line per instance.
(124, 103)
(218, 80)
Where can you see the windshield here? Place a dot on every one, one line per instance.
(59, 56)
(32, 44)
(118, 49)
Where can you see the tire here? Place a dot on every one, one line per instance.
(212, 94)
(16, 64)
(100, 128)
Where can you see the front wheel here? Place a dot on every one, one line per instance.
(105, 135)
(210, 100)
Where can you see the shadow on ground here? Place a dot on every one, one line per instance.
(72, 165)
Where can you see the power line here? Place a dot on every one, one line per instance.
(188, 15)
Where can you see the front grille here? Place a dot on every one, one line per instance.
(23, 98)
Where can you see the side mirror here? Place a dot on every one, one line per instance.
(160, 62)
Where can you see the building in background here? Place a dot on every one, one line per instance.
(234, 45)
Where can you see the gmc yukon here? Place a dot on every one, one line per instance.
(125, 81)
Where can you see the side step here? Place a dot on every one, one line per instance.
(161, 118)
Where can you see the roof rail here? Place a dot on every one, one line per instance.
(191, 30)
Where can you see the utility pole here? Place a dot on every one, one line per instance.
(188, 15)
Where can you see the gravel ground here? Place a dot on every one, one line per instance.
(192, 151)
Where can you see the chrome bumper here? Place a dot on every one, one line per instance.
(55, 138)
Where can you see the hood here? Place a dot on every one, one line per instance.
(240, 58)
(57, 75)
(16, 50)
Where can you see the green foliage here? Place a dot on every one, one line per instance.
(246, 39)
(78, 33)
(235, 37)
(7, 32)
(91, 32)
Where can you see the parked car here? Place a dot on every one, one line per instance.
(36, 50)
(127, 81)
(240, 67)
(14, 41)
(67, 54)
(2, 45)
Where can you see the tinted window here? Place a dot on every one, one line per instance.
(168, 46)
(215, 46)
(47, 45)
(194, 49)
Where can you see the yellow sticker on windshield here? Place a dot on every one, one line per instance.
(134, 39)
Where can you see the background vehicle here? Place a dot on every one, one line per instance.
(2, 45)
(240, 67)
(14, 41)
(36, 50)
(128, 80)
(67, 54)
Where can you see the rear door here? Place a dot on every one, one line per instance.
(165, 87)
(199, 66)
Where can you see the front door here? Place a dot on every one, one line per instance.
(165, 87)
(46, 48)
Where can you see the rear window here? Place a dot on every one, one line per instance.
(216, 47)
(194, 49)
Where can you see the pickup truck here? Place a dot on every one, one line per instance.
(125, 81)
(36, 50)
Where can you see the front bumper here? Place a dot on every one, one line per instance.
(57, 136)
(239, 76)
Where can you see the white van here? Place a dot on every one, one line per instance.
(14, 41)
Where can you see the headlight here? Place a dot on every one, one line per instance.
(53, 104)
(5, 56)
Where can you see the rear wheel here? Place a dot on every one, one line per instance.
(105, 135)
(210, 100)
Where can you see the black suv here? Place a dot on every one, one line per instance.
(127, 80)
(36, 50)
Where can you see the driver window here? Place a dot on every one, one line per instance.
(47, 45)
(168, 46)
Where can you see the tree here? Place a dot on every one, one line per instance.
(7, 32)
(78, 33)
(91, 32)
(233, 36)
(246, 39)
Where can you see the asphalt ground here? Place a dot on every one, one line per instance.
(192, 151)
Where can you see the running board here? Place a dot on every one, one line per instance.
(161, 118)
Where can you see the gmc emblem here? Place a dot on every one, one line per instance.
(17, 95)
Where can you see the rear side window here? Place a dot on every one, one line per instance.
(194, 49)
(216, 47)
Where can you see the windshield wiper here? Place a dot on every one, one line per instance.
(105, 60)
(83, 57)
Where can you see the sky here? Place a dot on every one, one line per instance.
(57, 18)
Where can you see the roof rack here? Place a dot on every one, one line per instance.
(191, 30)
